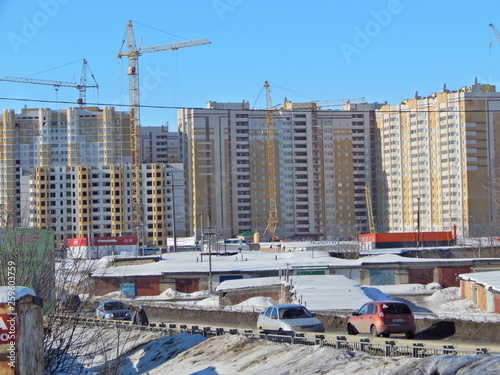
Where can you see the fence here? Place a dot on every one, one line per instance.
(388, 348)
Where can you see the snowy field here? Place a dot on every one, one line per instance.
(234, 354)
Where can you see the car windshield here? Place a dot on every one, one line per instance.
(294, 313)
(114, 306)
(395, 308)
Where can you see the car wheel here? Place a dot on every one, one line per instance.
(373, 331)
(410, 335)
(351, 330)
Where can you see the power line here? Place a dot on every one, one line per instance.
(96, 104)
(393, 111)
(163, 31)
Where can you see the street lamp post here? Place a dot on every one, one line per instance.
(418, 222)
(173, 211)
(169, 171)
(211, 233)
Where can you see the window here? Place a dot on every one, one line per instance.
(372, 308)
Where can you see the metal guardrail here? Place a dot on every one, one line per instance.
(388, 348)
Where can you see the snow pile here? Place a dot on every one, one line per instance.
(434, 286)
(103, 262)
(118, 296)
(174, 294)
(212, 302)
(446, 294)
(408, 288)
(235, 354)
(258, 302)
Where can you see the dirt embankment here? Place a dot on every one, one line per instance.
(427, 329)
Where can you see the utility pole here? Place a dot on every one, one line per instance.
(171, 173)
(418, 222)
(211, 233)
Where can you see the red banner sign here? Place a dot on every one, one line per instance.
(8, 328)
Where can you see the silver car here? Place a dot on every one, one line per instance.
(115, 310)
(289, 317)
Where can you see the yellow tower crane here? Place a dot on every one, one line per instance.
(133, 54)
(81, 87)
(369, 208)
(272, 220)
(318, 104)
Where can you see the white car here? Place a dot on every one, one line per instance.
(289, 317)
(114, 310)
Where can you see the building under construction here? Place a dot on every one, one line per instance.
(69, 170)
(323, 161)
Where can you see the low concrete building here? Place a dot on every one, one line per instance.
(483, 288)
(233, 292)
(190, 272)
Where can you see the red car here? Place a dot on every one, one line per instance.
(381, 318)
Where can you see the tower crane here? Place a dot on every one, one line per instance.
(272, 220)
(318, 104)
(133, 54)
(369, 208)
(81, 87)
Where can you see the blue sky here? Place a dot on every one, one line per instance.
(316, 50)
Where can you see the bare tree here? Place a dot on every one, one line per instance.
(71, 341)
(30, 255)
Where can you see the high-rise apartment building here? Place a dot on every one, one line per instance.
(158, 145)
(439, 164)
(69, 170)
(84, 201)
(43, 137)
(322, 159)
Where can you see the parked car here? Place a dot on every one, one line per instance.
(382, 318)
(115, 310)
(289, 317)
(70, 302)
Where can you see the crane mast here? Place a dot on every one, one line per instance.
(133, 83)
(133, 54)
(369, 208)
(272, 220)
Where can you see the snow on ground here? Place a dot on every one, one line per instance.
(148, 353)
(235, 354)
(232, 354)
(145, 353)
(327, 293)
